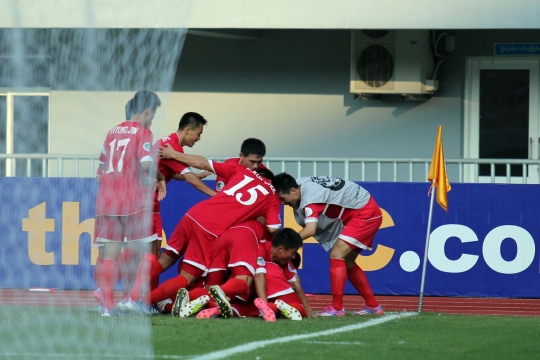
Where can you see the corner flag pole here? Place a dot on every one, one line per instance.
(439, 182)
(421, 298)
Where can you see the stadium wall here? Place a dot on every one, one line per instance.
(485, 246)
(291, 89)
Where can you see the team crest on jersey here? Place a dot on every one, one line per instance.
(329, 182)
(308, 211)
(220, 185)
(147, 146)
(260, 261)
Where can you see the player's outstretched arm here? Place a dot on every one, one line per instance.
(202, 175)
(297, 287)
(196, 161)
(308, 231)
(260, 286)
(197, 183)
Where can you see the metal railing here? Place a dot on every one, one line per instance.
(356, 169)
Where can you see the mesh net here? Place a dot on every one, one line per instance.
(47, 308)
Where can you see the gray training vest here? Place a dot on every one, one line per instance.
(329, 191)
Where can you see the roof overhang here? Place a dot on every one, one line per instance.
(272, 14)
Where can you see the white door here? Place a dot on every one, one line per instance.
(501, 118)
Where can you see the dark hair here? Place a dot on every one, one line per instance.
(129, 111)
(267, 173)
(143, 100)
(284, 183)
(296, 260)
(191, 119)
(288, 238)
(253, 146)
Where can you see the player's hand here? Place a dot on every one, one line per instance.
(203, 174)
(166, 152)
(98, 178)
(309, 313)
(161, 189)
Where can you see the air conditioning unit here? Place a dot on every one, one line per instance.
(392, 62)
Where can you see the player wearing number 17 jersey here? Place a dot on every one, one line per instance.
(246, 196)
(124, 199)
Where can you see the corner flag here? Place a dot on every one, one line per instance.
(437, 173)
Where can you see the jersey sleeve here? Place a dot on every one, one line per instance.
(273, 217)
(262, 258)
(220, 182)
(290, 272)
(175, 166)
(313, 211)
(224, 170)
(145, 146)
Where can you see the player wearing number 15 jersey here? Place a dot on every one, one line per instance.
(247, 195)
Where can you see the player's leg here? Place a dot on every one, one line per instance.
(359, 234)
(128, 261)
(156, 264)
(338, 278)
(110, 231)
(290, 306)
(359, 280)
(98, 295)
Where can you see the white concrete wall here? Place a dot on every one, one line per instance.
(265, 14)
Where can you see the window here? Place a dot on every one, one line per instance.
(24, 129)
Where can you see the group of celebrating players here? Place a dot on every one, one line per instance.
(234, 259)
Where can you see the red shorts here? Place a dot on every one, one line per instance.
(195, 240)
(158, 225)
(276, 282)
(136, 227)
(237, 246)
(360, 230)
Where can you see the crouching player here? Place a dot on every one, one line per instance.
(276, 283)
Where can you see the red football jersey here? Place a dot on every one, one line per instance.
(123, 189)
(169, 167)
(278, 278)
(246, 196)
(221, 181)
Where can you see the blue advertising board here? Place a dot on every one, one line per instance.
(486, 245)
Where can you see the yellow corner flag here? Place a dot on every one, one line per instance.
(437, 173)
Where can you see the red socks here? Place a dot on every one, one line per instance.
(235, 287)
(166, 290)
(358, 278)
(216, 277)
(108, 278)
(147, 273)
(128, 268)
(197, 293)
(338, 277)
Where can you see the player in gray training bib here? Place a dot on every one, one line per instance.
(344, 218)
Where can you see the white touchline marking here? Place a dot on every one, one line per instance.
(220, 354)
(334, 342)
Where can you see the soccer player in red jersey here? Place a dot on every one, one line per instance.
(251, 155)
(125, 258)
(247, 195)
(276, 282)
(189, 132)
(344, 218)
(124, 199)
(235, 251)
